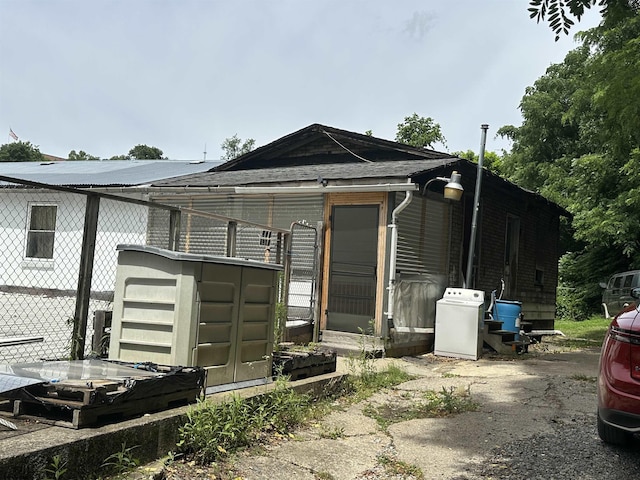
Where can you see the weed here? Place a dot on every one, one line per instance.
(332, 433)
(362, 364)
(324, 476)
(434, 404)
(448, 401)
(362, 386)
(584, 378)
(396, 467)
(214, 430)
(280, 324)
(57, 468)
(450, 375)
(121, 462)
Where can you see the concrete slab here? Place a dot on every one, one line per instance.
(517, 398)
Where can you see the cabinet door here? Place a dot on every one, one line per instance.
(216, 345)
(256, 318)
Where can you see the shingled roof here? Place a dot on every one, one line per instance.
(398, 170)
(318, 144)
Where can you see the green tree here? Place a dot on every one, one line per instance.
(420, 132)
(560, 13)
(579, 145)
(144, 152)
(492, 161)
(120, 157)
(20, 152)
(233, 147)
(81, 155)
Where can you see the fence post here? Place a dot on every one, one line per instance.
(174, 230)
(78, 338)
(231, 238)
(317, 280)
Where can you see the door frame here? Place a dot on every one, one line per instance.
(380, 199)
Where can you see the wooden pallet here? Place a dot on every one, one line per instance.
(301, 364)
(75, 414)
(83, 403)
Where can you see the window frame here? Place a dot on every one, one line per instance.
(29, 230)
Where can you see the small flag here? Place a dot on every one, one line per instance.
(12, 134)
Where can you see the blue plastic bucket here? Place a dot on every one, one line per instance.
(508, 313)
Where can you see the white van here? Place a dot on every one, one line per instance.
(617, 292)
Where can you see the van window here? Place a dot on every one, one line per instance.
(627, 281)
(616, 282)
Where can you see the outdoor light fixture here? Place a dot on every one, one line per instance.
(452, 190)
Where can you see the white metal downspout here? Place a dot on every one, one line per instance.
(394, 253)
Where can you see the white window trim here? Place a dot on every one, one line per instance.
(32, 262)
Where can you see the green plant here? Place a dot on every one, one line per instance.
(123, 461)
(448, 401)
(324, 476)
(281, 324)
(332, 433)
(214, 430)
(398, 468)
(362, 365)
(56, 469)
(434, 404)
(363, 384)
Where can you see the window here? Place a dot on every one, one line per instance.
(41, 231)
(265, 238)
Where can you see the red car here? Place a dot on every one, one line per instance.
(619, 377)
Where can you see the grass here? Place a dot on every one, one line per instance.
(594, 328)
(430, 404)
(398, 468)
(213, 431)
(583, 334)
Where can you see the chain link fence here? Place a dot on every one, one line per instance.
(41, 261)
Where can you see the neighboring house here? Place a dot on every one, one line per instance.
(41, 230)
(348, 185)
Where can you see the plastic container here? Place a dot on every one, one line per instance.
(508, 312)
(175, 308)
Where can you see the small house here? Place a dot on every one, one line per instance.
(374, 242)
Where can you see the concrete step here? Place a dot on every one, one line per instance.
(352, 344)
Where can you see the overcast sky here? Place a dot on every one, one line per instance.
(103, 76)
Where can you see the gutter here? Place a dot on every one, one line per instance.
(265, 190)
(394, 250)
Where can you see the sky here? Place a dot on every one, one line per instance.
(184, 75)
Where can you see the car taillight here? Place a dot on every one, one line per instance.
(633, 339)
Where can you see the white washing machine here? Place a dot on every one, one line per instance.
(459, 324)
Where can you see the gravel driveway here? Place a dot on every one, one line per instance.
(535, 420)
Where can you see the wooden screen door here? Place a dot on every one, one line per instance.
(353, 263)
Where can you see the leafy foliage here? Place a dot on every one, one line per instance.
(233, 147)
(420, 132)
(122, 461)
(579, 145)
(560, 21)
(81, 155)
(20, 152)
(144, 152)
(215, 429)
(492, 161)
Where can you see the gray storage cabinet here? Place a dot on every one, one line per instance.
(183, 309)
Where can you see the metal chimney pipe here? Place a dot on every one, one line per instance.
(476, 205)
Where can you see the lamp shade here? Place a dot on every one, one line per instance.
(453, 189)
